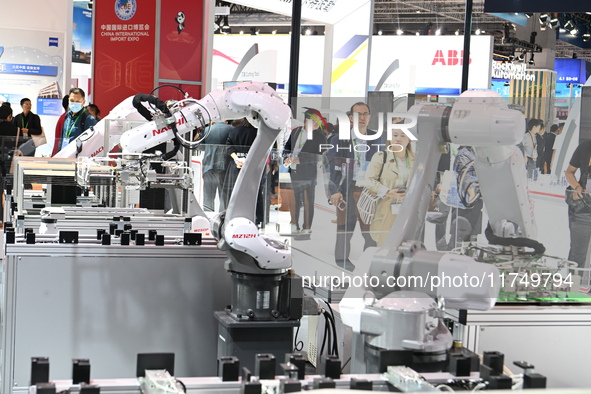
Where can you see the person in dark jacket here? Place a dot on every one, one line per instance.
(302, 154)
(29, 124)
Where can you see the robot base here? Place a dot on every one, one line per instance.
(246, 339)
(257, 297)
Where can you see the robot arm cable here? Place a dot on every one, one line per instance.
(522, 242)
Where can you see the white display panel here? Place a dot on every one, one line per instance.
(271, 64)
(436, 66)
(429, 62)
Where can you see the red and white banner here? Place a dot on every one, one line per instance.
(181, 40)
(124, 50)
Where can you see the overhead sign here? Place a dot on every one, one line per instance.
(570, 70)
(536, 6)
(516, 71)
(435, 69)
(124, 45)
(323, 11)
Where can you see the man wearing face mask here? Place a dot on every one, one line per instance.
(76, 120)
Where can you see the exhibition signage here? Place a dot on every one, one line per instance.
(506, 70)
(570, 70)
(435, 69)
(82, 34)
(31, 65)
(181, 42)
(124, 50)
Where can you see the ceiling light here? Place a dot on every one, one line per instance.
(554, 22)
(274, 31)
(241, 32)
(521, 57)
(399, 32)
(529, 15)
(418, 33)
(478, 32)
(587, 35)
(457, 33)
(531, 60)
(570, 25)
(418, 11)
(438, 32)
(308, 32)
(574, 31)
(379, 33)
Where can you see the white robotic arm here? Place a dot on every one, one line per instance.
(248, 99)
(252, 100)
(479, 119)
(91, 142)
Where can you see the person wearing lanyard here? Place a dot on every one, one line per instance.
(76, 121)
(348, 164)
(28, 122)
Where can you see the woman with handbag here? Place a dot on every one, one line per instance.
(387, 178)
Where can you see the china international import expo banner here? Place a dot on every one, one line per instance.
(125, 47)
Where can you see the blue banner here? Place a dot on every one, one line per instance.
(570, 70)
(30, 69)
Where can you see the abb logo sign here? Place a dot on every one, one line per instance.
(453, 58)
(180, 121)
(245, 235)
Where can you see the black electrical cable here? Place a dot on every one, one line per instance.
(344, 365)
(463, 191)
(335, 349)
(169, 86)
(327, 324)
(297, 346)
(140, 98)
(192, 145)
(182, 385)
(326, 334)
(521, 242)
